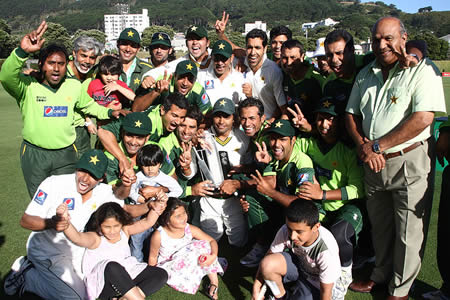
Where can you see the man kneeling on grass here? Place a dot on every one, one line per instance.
(303, 253)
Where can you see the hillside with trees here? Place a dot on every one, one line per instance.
(353, 16)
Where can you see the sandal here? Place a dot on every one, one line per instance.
(212, 294)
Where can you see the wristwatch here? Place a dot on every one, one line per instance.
(376, 147)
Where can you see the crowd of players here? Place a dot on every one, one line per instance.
(302, 157)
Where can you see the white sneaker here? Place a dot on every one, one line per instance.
(435, 295)
(252, 258)
(340, 288)
(15, 280)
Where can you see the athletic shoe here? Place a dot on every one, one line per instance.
(255, 255)
(361, 261)
(435, 295)
(340, 288)
(223, 263)
(15, 280)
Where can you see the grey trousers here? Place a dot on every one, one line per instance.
(399, 202)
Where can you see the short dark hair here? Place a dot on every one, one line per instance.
(249, 102)
(280, 30)
(341, 34)
(172, 204)
(194, 113)
(257, 33)
(303, 211)
(49, 50)
(105, 211)
(109, 65)
(149, 155)
(175, 99)
(289, 44)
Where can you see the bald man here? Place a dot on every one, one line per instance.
(389, 114)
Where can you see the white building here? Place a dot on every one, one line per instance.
(114, 24)
(258, 25)
(179, 42)
(327, 22)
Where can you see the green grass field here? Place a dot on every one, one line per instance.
(237, 281)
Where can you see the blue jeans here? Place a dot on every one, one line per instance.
(137, 243)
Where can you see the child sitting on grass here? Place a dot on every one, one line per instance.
(303, 253)
(184, 251)
(109, 269)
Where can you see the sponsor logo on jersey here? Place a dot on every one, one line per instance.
(302, 178)
(168, 159)
(55, 111)
(209, 84)
(323, 172)
(41, 98)
(40, 197)
(205, 98)
(70, 202)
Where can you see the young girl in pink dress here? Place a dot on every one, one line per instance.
(108, 267)
(184, 251)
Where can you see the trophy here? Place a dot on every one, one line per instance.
(213, 164)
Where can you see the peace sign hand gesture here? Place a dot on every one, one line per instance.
(163, 84)
(405, 60)
(262, 155)
(299, 121)
(32, 42)
(222, 24)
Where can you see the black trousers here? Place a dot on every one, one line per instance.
(118, 282)
(443, 232)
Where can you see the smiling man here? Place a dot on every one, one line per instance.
(220, 79)
(389, 114)
(278, 35)
(129, 43)
(183, 81)
(52, 268)
(47, 102)
(263, 79)
(164, 120)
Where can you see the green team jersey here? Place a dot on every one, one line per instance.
(135, 80)
(293, 173)
(79, 117)
(335, 168)
(172, 147)
(155, 118)
(305, 92)
(47, 113)
(196, 96)
(112, 172)
(340, 88)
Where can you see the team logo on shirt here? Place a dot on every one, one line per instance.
(209, 84)
(205, 98)
(40, 197)
(55, 111)
(70, 202)
(302, 178)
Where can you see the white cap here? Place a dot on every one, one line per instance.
(320, 48)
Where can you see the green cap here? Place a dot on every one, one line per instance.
(224, 105)
(130, 34)
(330, 106)
(282, 127)
(93, 161)
(223, 48)
(137, 123)
(185, 67)
(161, 38)
(199, 31)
